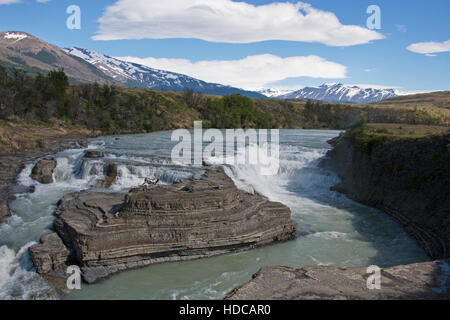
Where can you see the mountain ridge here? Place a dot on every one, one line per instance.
(140, 76)
(339, 93)
(23, 50)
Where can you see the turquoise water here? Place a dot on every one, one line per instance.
(333, 229)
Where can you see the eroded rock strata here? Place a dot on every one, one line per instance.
(105, 233)
(417, 281)
(408, 178)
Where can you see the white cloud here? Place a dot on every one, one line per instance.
(407, 93)
(430, 48)
(372, 86)
(252, 72)
(227, 21)
(290, 88)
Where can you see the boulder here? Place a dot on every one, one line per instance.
(83, 143)
(94, 154)
(51, 256)
(110, 175)
(43, 171)
(112, 232)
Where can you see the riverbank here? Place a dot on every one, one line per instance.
(23, 142)
(334, 229)
(422, 281)
(403, 171)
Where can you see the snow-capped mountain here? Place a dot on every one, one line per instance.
(24, 51)
(273, 93)
(136, 75)
(339, 93)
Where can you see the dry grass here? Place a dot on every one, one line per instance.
(17, 135)
(406, 130)
(439, 99)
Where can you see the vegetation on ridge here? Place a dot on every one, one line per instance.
(367, 136)
(47, 99)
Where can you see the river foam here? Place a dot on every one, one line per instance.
(32, 213)
(333, 229)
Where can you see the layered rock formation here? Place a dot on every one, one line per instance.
(417, 281)
(105, 233)
(409, 178)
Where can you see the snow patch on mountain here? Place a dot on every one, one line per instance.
(273, 93)
(339, 93)
(15, 36)
(137, 75)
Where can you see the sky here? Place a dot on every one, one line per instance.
(257, 44)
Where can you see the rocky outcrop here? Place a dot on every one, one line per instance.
(51, 255)
(110, 176)
(409, 178)
(94, 154)
(12, 164)
(43, 171)
(417, 281)
(110, 232)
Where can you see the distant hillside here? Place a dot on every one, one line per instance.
(111, 109)
(26, 52)
(339, 93)
(439, 99)
(139, 76)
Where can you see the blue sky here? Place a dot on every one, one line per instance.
(304, 54)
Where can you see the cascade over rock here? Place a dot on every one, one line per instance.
(105, 233)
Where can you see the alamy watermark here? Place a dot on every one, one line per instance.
(73, 22)
(374, 20)
(229, 147)
(374, 280)
(74, 280)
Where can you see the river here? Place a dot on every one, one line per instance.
(334, 230)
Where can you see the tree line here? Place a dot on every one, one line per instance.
(117, 110)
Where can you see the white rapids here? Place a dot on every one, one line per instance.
(333, 229)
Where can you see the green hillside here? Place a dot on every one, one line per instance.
(49, 98)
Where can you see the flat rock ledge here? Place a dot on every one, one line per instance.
(421, 281)
(105, 233)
